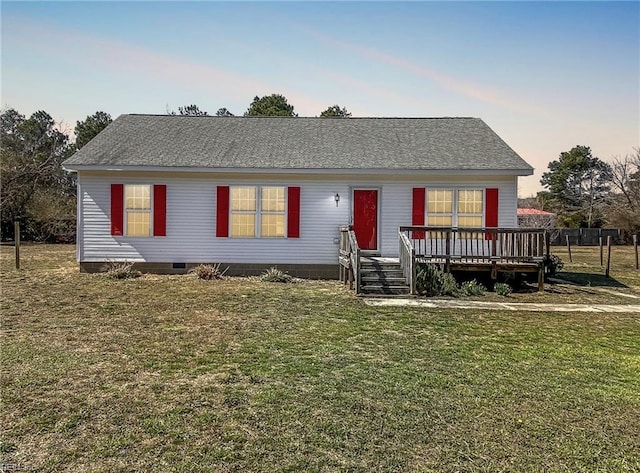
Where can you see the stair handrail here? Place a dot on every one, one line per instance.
(407, 256)
(354, 254)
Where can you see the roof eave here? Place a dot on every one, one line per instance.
(351, 171)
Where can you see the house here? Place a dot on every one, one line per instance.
(529, 218)
(169, 192)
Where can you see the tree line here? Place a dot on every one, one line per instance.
(274, 105)
(582, 189)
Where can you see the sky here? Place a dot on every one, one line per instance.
(545, 76)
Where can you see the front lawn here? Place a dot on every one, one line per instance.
(170, 373)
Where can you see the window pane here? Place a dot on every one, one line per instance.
(470, 201)
(439, 221)
(243, 225)
(439, 200)
(470, 222)
(272, 199)
(139, 224)
(137, 197)
(243, 198)
(272, 225)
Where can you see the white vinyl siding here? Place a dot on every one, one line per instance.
(191, 217)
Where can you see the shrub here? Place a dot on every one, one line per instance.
(208, 271)
(450, 285)
(122, 270)
(502, 289)
(432, 281)
(553, 264)
(276, 275)
(429, 280)
(472, 288)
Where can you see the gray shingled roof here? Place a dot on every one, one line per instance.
(299, 143)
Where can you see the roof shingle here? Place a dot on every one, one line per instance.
(299, 143)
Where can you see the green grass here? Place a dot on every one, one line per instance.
(172, 373)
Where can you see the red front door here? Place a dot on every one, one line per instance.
(365, 218)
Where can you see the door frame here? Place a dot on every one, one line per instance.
(352, 190)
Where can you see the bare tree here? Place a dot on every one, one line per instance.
(622, 206)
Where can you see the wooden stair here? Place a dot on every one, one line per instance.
(382, 277)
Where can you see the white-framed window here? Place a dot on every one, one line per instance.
(439, 207)
(470, 208)
(243, 212)
(137, 210)
(272, 212)
(258, 211)
(455, 208)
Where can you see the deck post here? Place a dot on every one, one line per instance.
(547, 244)
(357, 271)
(541, 277)
(412, 288)
(494, 244)
(447, 252)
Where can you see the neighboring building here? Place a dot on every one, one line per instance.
(534, 218)
(253, 192)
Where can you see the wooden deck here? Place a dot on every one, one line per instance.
(492, 250)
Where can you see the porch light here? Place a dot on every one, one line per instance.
(336, 198)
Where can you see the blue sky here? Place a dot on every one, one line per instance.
(546, 76)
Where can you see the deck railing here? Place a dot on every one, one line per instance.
(407, 256)
(507, 245)
(349, 257)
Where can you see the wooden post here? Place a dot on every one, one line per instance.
(16, 238)
(448, 252)
(601, 257)
(350, 276)
(606, 272)
(569, 248)
(541, 277)
(547, 244)
(635, 248)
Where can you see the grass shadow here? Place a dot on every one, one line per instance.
(591, 279)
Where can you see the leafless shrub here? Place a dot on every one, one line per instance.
(208, 271)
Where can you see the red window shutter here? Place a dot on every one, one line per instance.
(293, 212)
(160, 210)
(117, 209)
(491, 210)
(417, 216)
(222, 212)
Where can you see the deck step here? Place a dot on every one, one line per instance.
(377, 278)
(387, 296)
(383, 289)
(382, 278)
